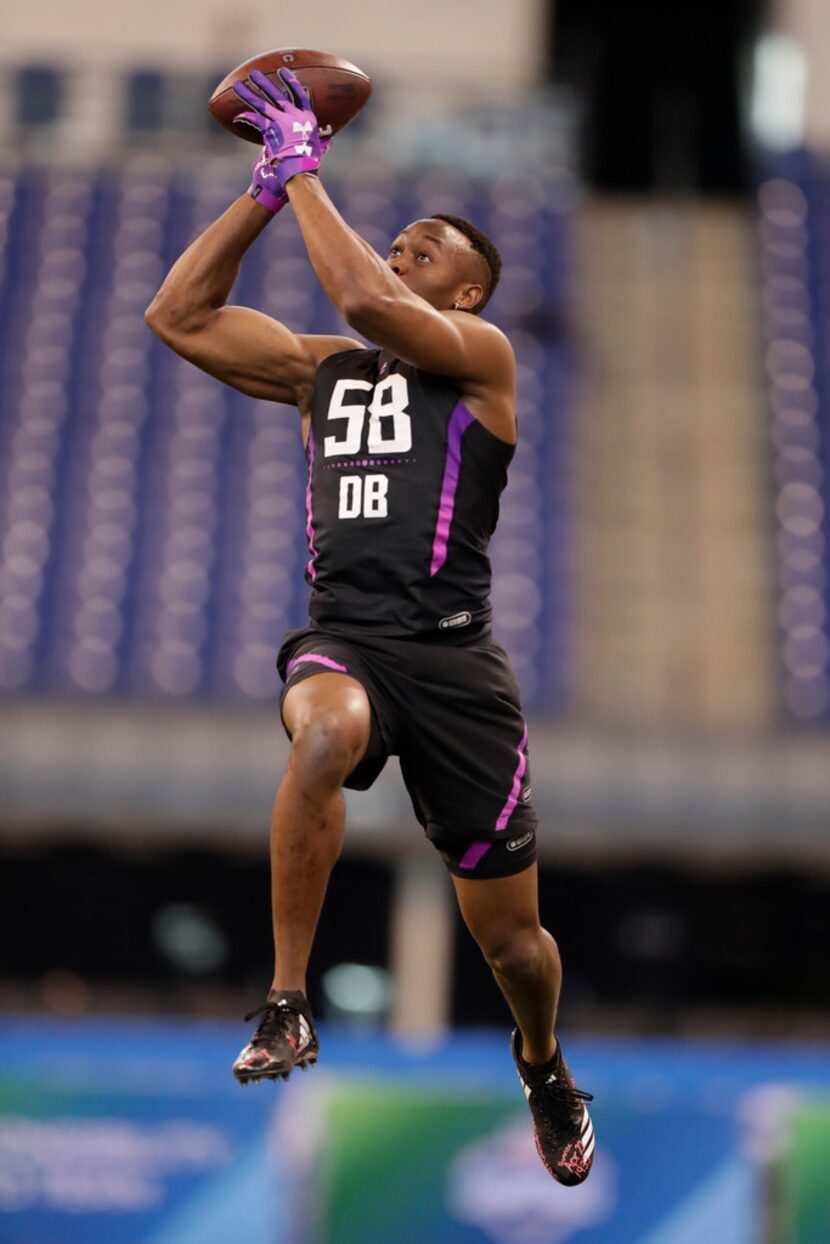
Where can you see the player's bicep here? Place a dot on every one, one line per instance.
(246, 349)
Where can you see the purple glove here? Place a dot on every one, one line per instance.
(291, 137)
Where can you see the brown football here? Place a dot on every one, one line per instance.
(338, 89)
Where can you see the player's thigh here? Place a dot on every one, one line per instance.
(328, 711)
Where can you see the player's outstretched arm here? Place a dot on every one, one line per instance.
(239, 346)
(377, 303)
(363, 288)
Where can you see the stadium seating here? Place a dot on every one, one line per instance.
(793, 200)
(151, 520)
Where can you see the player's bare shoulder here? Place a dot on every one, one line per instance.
(487, 350)
(489, 380)
(318, 349)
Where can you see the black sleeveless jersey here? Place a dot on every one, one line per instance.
(402, 498)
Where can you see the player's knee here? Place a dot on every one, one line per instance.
(515, 952)
(327, 746)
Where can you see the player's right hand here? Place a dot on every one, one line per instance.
(290, 135)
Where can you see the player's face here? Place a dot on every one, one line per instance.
(431, 259)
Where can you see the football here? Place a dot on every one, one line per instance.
(338, 89)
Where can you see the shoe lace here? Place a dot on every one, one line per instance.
(274, 1023)
(568, 1094)
(560, 1091)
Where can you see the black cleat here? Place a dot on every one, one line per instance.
(284, 1039)
(563, 1128)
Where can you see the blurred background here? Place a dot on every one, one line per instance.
(657, 178)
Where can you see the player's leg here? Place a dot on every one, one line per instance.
(468, 773)
(502, 914)
(329, 720)
(465, 764)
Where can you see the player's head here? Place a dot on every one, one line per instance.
(448, 261)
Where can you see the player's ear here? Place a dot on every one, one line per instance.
(469, 298)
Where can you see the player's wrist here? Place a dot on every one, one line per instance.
(266, 186)
(266, 199)
(302, 178)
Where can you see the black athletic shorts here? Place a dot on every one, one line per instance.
(453, 716)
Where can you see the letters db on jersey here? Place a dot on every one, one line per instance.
(402, 498)
(375, 420)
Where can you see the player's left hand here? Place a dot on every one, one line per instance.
(290, 134)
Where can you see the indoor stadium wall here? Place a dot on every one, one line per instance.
(500, 42)
(671, 456)
(92, 78)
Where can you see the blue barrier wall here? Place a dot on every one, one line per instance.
(136, 1133)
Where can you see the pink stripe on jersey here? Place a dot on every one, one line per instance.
(512, 798)
(477, 850)
(311, 570)
(319, 659)
(460, 420)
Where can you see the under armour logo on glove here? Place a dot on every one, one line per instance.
(280, 115)
(304, 128)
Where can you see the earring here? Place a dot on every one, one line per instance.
(455, 306)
